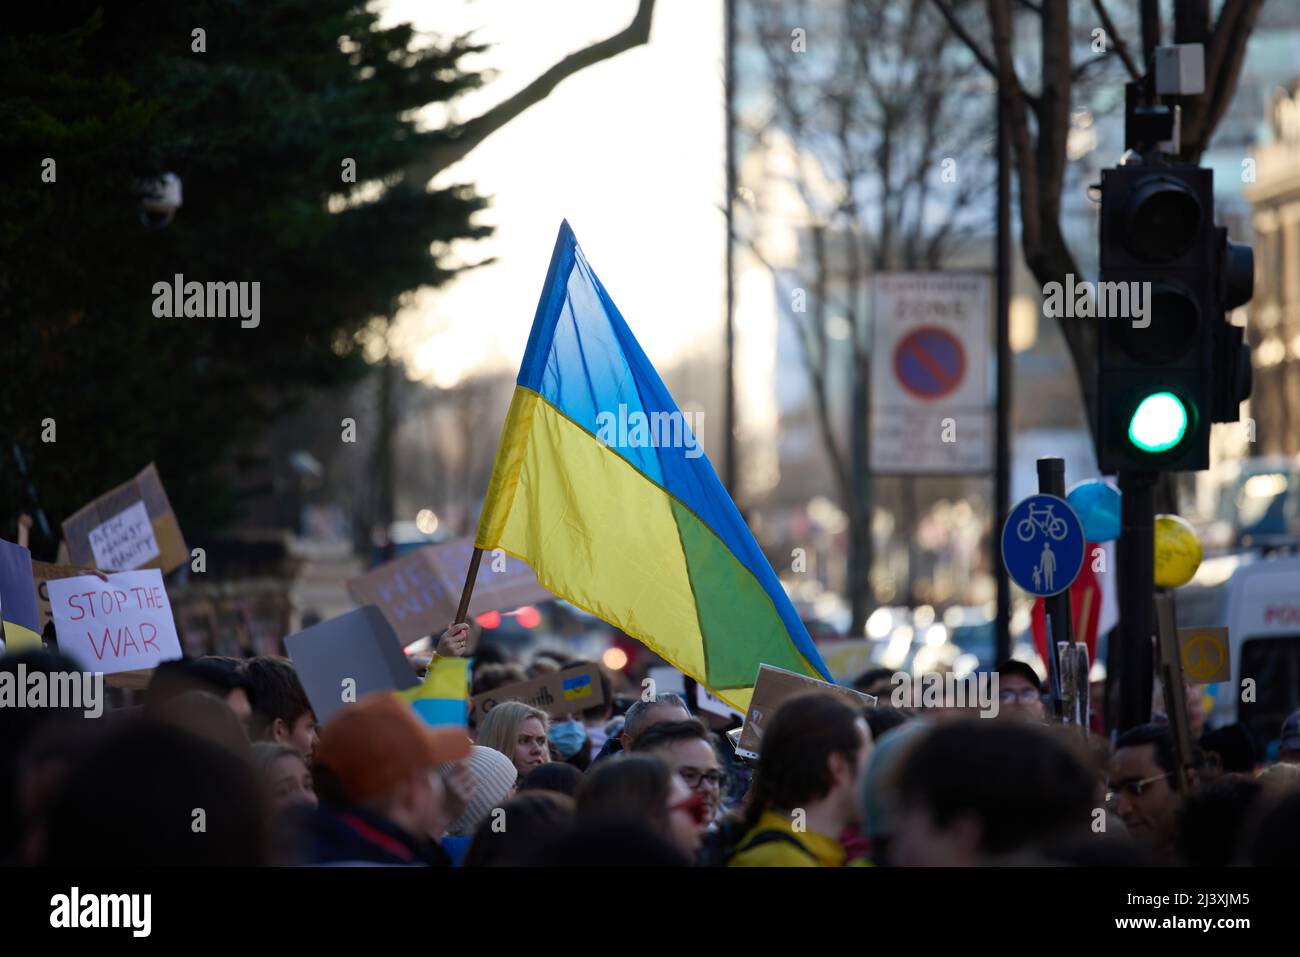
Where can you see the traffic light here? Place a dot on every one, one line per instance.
(1231, 351)
(1169, 369)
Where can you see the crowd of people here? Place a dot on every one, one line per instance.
(222, 762)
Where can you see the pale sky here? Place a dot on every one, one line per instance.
(630, 151)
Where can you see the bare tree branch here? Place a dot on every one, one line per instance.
(1112, 34)
(1040, 165)
(1223, 58)
(1081, 69)
(1234, 53)
(964, 36)
(465, 137)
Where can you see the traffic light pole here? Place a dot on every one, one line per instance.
(1136, 562)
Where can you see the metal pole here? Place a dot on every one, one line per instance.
(729, 378)
(1135, 566)
(1056, 608)
(1002, 465)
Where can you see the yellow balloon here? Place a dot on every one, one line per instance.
(1178, 551)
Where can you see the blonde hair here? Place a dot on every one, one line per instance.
(499, 729)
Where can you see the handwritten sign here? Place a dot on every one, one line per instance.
(771, 688)
(419, 593)
(503, 584)
(557, 693)
(706, 700)
(123, 624)
(132, 526)
(125, 541)
(42, 572)
(411, 593)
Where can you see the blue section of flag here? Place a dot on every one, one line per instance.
(441, 712)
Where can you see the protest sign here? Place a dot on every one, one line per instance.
(411, 594)
(504, 582)
(557, 693)
(123, 624)
(419, 593)
(771, 688)
(132, 526)
(342, 660)
(42, 573)
(22, 628)
(667, 680)
(1205, 654)
(706, 700)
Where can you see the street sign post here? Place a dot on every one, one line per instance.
(1043, 550)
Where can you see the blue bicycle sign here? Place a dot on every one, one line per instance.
(1043, 545)
(1041, 520)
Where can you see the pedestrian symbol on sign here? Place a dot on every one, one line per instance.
(1043, 545)
(1047, 566)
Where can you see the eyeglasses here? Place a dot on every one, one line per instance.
(1134, 788)
(694, 778)
(1027, 696)
(697, 806)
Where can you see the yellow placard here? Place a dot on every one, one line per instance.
(1205, 654)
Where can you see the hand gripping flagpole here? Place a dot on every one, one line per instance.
(470, 577)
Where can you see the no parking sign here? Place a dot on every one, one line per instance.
(930, 397)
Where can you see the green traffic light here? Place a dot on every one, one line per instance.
(1159, 422)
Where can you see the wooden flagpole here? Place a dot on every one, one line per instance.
(470, 577)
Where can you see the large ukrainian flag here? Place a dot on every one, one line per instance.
(643, 536)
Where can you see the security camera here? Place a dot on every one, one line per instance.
(160, 197)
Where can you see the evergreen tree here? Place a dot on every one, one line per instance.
(261, 115)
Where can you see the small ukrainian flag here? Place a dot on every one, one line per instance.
(577, 687)
(442, 699)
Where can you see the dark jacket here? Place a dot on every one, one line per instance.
(613, 745)
(346, 835)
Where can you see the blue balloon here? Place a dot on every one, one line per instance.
(1096, 502)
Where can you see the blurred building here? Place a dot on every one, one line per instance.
(1274, 327)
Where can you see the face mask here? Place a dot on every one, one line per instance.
(567, 738)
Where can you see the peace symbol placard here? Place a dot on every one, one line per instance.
(1205, 654)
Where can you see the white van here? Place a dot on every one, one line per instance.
(1259, 602)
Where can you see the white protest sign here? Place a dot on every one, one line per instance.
(667, 680)
(706, 700)
(123, 624)
(125, 541)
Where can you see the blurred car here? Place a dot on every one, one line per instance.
(1257, 599)
(978, 639)
(1258, 502)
